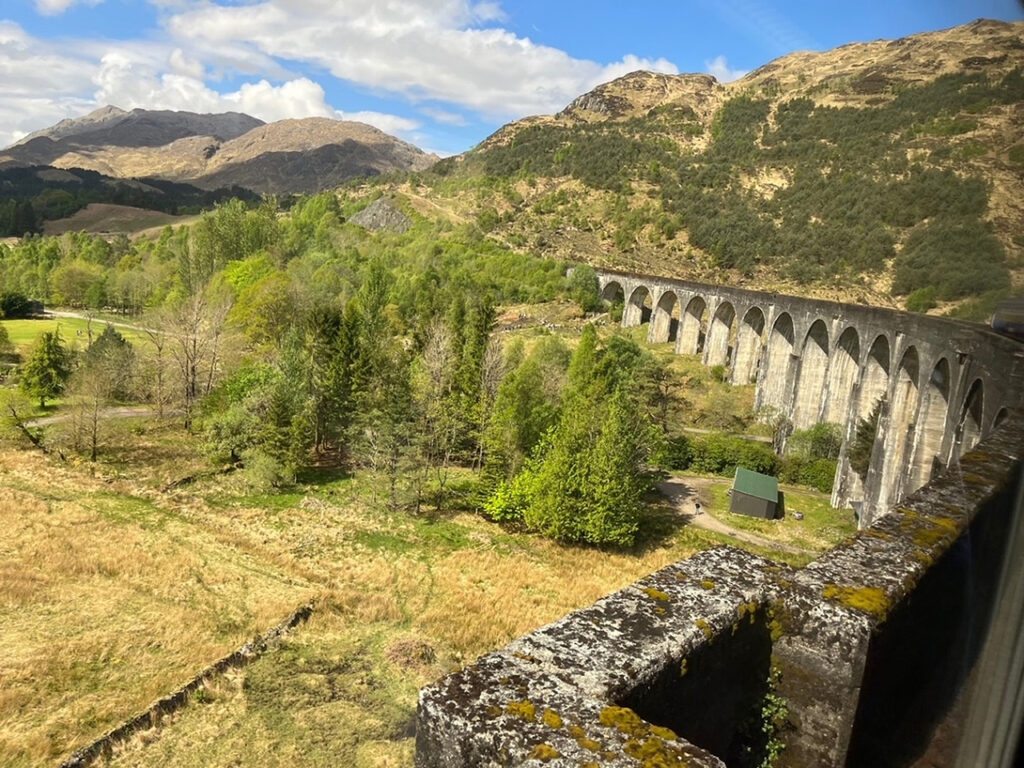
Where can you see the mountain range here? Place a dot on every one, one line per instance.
(217, 151)
(889, 172)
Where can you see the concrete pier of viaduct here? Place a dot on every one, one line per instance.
(941, 385)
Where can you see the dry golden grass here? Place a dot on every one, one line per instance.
(113, 594)
(108, 603)
(338, 691)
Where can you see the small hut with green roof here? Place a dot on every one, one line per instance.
(755, 495)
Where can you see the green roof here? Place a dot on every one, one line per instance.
(755, 484)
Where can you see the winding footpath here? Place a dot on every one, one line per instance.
(683, 492)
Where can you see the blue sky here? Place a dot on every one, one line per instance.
(440, 73)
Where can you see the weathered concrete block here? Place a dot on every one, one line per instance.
(573, 692)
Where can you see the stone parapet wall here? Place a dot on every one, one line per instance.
(876, 643)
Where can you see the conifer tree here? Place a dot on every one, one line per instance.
(864, 441)
(46, 372)
(616, 481)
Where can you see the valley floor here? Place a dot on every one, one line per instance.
(114, 593)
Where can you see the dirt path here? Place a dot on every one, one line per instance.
(113, 412)
(684, 492)
(751, 438)
(100, 322)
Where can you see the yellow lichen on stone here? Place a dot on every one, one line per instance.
(544, 752)
(704, 627)
(664, 733)
(747, 609)
(523, 709)
(552, 719)
(682, 668)
(493, 711)
(589, 744)
(871, 600)
(654, 753)
(625, 720)
(926, 531)
(873, 534)
(656, 594)
(708, 584)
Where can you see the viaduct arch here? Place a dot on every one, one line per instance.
(939, 385)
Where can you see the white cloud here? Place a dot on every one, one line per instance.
(183, 65)
(393, 124)
(444, 116)
(41, 84)
(451, 58)
(419, 49)
(131, 83)
(721, 70)
(57, 7)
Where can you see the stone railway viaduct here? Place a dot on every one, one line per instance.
(901, 646)
(942, 385)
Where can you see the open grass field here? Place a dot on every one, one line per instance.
(74, 331)
(110, 218)
(108, 601)
(113, 593)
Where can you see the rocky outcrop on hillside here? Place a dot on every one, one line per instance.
(382, 216)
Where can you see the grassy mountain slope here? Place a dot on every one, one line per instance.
(883, 172)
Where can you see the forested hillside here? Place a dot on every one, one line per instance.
(887, 172)
(30, 196)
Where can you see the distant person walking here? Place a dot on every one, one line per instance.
(696, 506)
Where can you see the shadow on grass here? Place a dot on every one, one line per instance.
(321, 475)
(660, 521)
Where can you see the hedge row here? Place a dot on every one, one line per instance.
(718, 454)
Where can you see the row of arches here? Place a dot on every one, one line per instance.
(819, 378)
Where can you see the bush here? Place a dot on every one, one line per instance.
(266, 474)
(14, 305)
(816, 473)
(507, 502)
(719, 454)
(674, 453)
(822, 441)
(584, 287)
(921, 300)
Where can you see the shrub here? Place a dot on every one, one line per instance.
(921, 300)
(507, 502)
(584, 287)
(719, 454)
(801, 470)
(14, 305)
(822, 441)
(674, 453)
